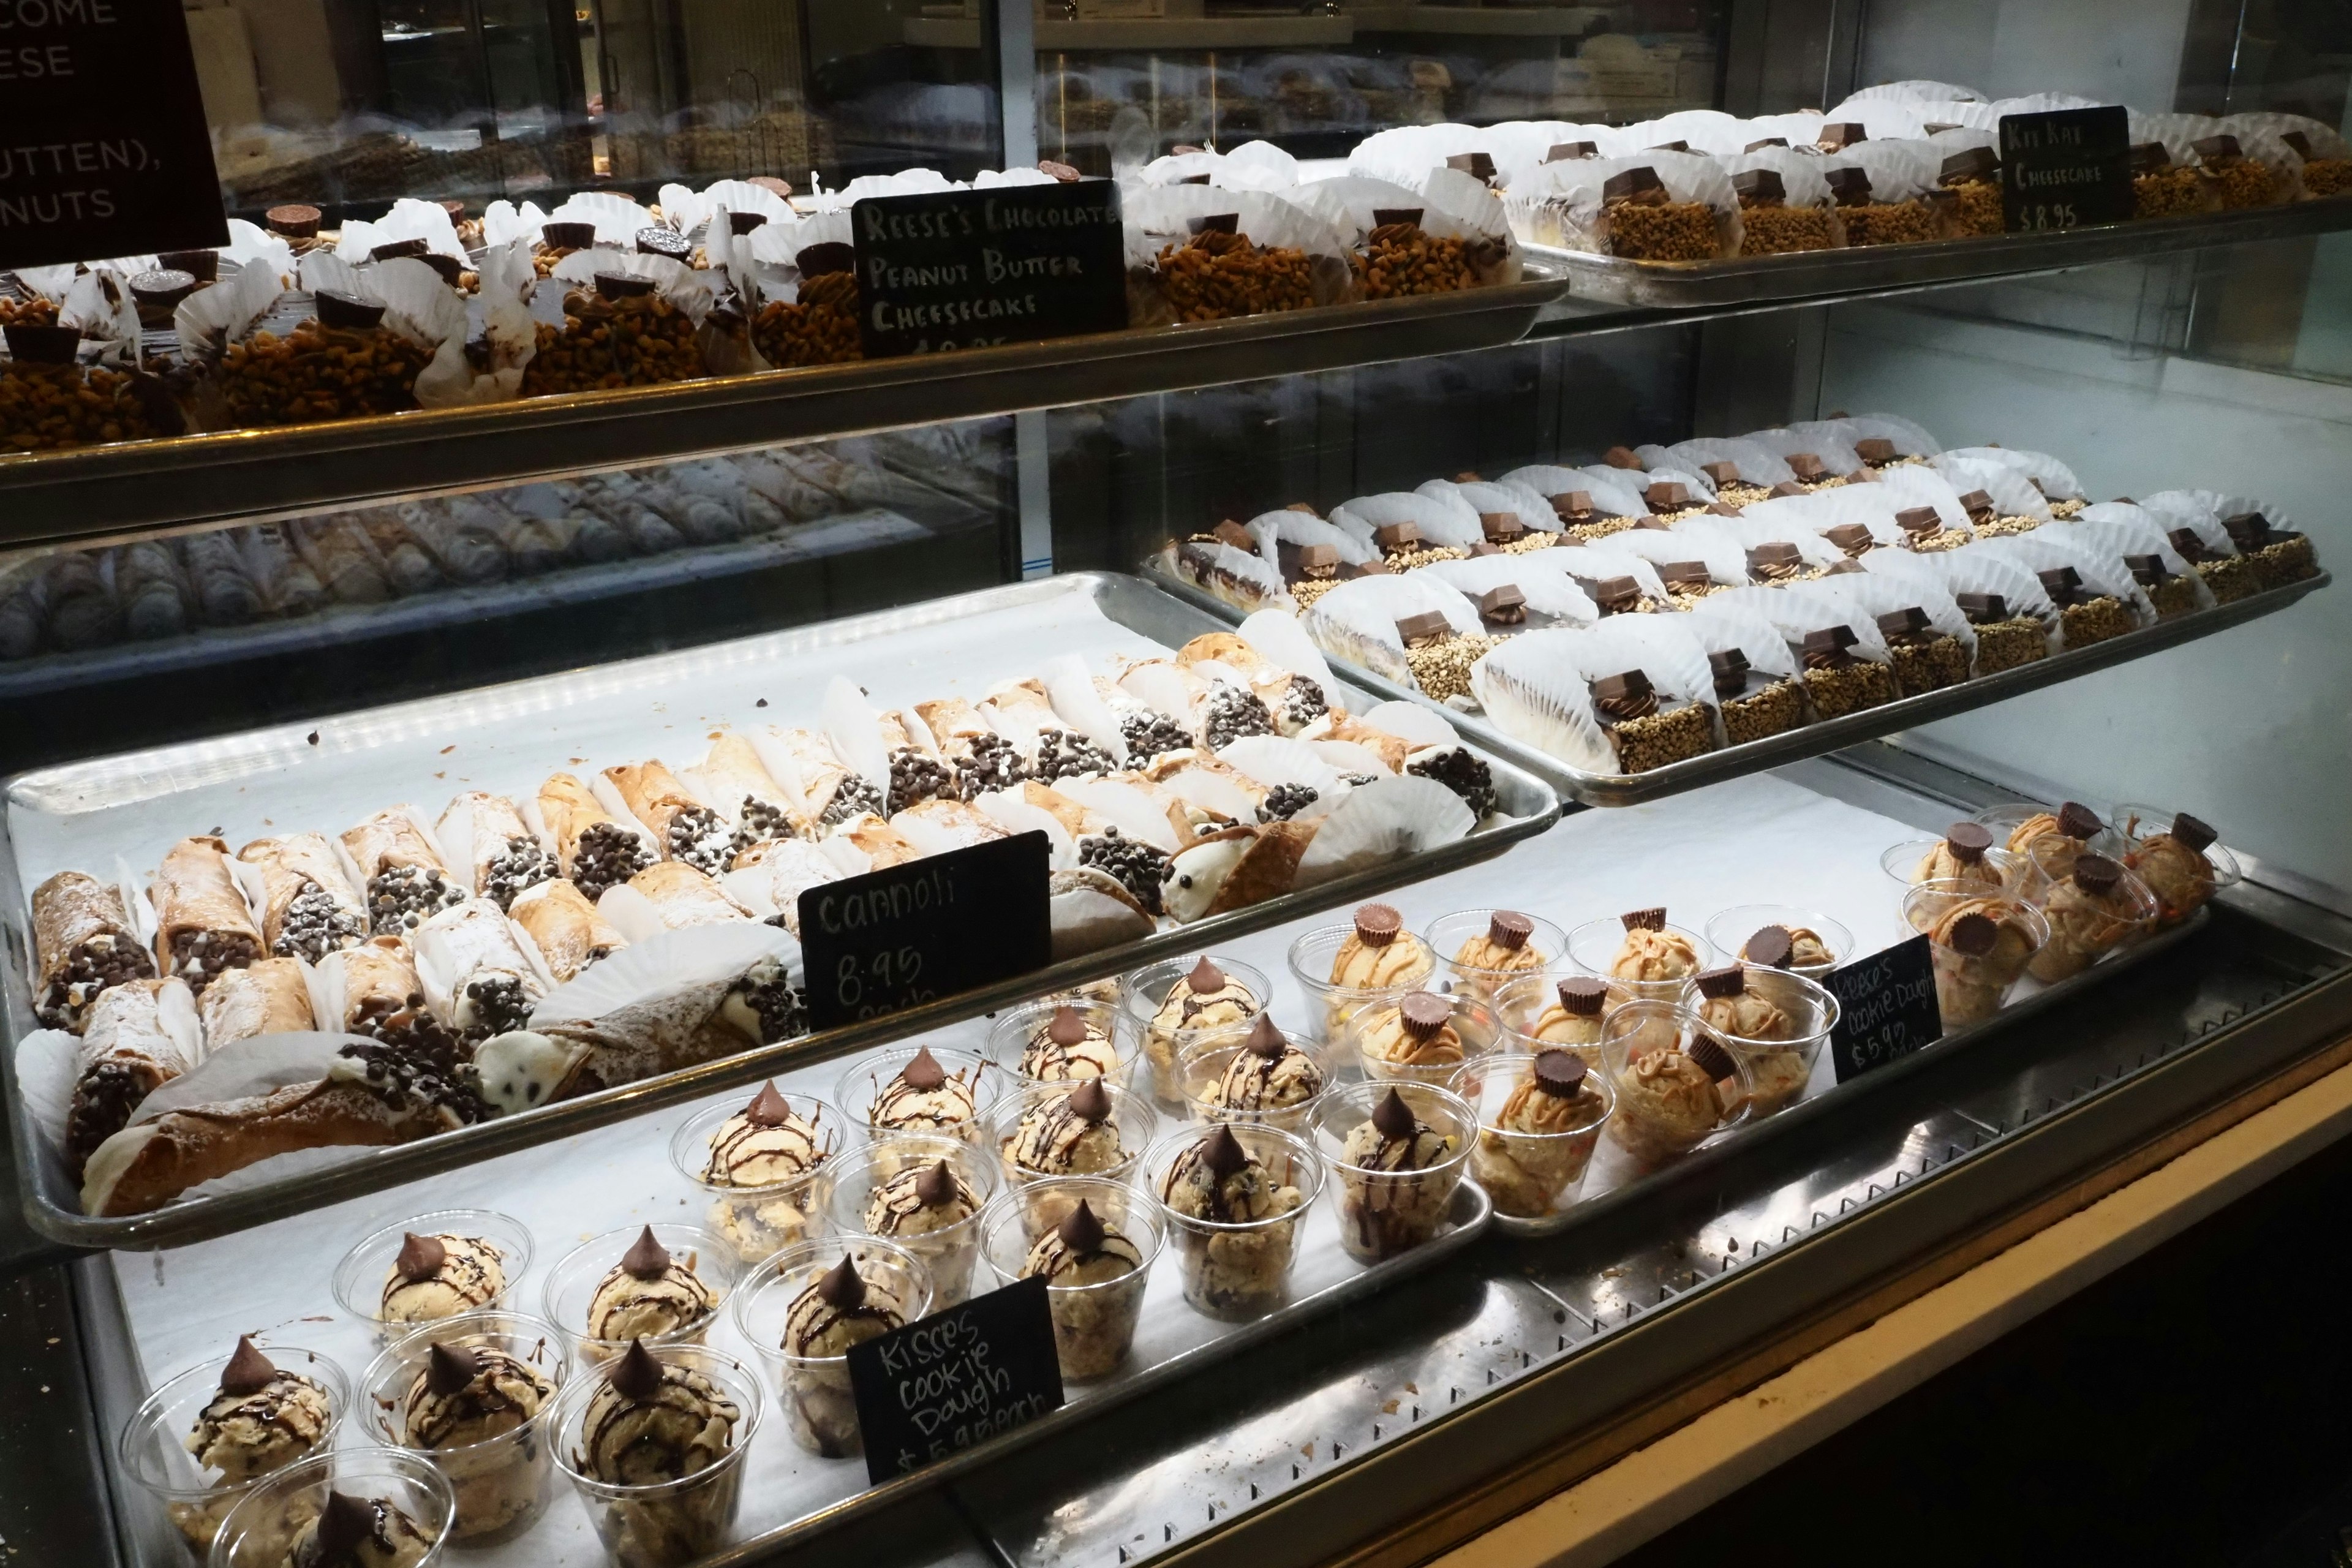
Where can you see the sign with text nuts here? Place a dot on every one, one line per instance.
(104, 150)
(1886, 1008)
(908, 934)
(955, 1378)
(959, 270)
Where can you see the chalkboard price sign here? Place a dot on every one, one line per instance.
(959, 269)
(107, 151)
(955, 1378)
(894, 939)
(2065, 169)
(1886, 1008)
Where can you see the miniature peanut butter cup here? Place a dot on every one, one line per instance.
(2096, 874)
(842, 1288)
(1377, 925)
(665, 242)
(347, 311)
(1582, 995)
(1711, 1057)
(1423, 1014)
(43, 345)
(2191, 833)
(1975, 934)
(448, 1368)
(202, 265)
(769, 1107)
(623, 285)
(744, 223)
(1393, 1119)
(248, 1371)
(923, 1073)
(163, 289)
(1082, 1234)
(295, 220)
(1090, 1101)
(421, 1257)
(1770, 948)
(826, 256)
(936, 1187)
(1509, 929)
(1222, 1153)
(1560, 1073)
(646, 1258)
(1969, 841)
(567, 235)
(2077, 820)
(636, 1374)
(1644, 920)
(1729, 981)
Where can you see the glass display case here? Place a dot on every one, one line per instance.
(1632, 715)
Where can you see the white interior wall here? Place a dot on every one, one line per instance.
(2120, 51)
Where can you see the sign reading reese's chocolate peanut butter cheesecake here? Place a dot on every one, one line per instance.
(1887, 1007)
(104, 150)
(959, 270)
(898, 938)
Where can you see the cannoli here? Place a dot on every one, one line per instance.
(984, 760)
(406, 883)
(734, 780)
(202, 926)
(594, 851)
(917, 770)
(937, 826)
(570, 932)
(308, 907)
(777, 873)
(1234, 869)
(686, 829)
(142, 1035)
(147, 584)
(461, 536)
(338, 553)
(285, 579)
(830, 794)
(83, 945)
(880, 845)
(269, 996)
(485, 837)
(225, 593)
(83, 611)
(1296, 704)
(682, 896)
(383, 998)
(407, 565)
(475, 973)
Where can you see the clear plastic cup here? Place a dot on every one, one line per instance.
(1971, 988)
(1131, 1120)
(1238, 1270)
(818, 1404)
(1142, 993)
(151, 1448)
(1780, 1068)
(572, 1285)
(758, 1222)
(1377, 1034)
(1545, 949)
(500, 1485)
(1009, 1038)
(2008, 817)
(1529, 1175)
(857, 1088)
(1202, 1066)
(360, 1277)
(1646, 1048)
(1093, 1323)
(950, 1252)
(267, 1525)
(1728, 931)
(1532, 1018)
(2084, 930)
(663, 1523)
(1902, 861)
(1385, 1212)
(2050, 860)
(2181, 886)
(1593, 946)
(1329, 1007)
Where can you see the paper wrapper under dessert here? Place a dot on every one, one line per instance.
(1928, 640)
(302, 886)
(670, 896)
(1882, 187)
(597, 849)
(1566, 693)
(201, 923)
(1846, 665)
(1811, 454)
(1790, 210)
(1196, 254)
(489, 845)
(1545, 595)
(565, 927)
(2093, 592)
(675, 1000)
(85, 940)
(732, 781)
(481, 972)
(2049, 477)
(1357, 621)
(1437, 233)
(2260, 533)
(1652, 205)
(140, 1036)
(2013, 496)
(1759, 688)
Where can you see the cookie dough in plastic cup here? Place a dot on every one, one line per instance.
(1676, 1086)
(400, 1496)
(197, 1496)
(1345, 968)
(1775, 1021)
(1639, 962)
(1482, 950)
(807, 1355)
(1539, 1119)
(1162, 1012)
(1097, 1262)
(1060, 1039)
(468, 1262)
(2099, 908)
(1815, 945)
(1422, 1036)
(671, 1498)
(1981, 944)
(1393, 1153)
(488, 1434)
(918, 1088)
(2048, 862)
(1044, 1131)
(729, 1151)
(1904, 861)
(611, 1289)
(2174, 854)
(895, 1190)
(1231, 1197)
(1554, 1012)
(1257, 1072)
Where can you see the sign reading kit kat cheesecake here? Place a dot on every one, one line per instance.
(2066, 168)
(104, 150)
(908, 934)
(959, 269)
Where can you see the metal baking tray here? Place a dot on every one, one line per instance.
(90, 492)
(1893, 268)
(51, 1201)
(1810, 740)
(1787, 1121)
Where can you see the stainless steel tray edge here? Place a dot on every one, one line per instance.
(52, 1209)
(1813, 740)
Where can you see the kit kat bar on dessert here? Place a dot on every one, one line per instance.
(83, 943)
(202, 925)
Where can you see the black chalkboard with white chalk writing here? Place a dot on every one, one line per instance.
(1886, 1008)
(898, 938)
(106, 151)
(2065, 169)
(955, 1378)
(959, 269)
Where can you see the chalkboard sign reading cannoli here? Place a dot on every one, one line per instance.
(104, 150)
(912, 933)
(2066, 168)
(959, 269)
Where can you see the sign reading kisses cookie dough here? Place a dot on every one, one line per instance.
(2066, 168)
(894, 939)
(959, 270)
(955, 1378)
(104, 150)
(1886, 1008)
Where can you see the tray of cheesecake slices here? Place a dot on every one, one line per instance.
(263, 972)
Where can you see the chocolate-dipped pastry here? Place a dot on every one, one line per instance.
(83, 943)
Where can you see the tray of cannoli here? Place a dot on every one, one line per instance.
(259, 972)
(1672, 615)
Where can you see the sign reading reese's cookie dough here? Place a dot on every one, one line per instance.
(959, 270)
(2065, 169)
(1886, 1008)
(104, 150)
(955, 1378)
(898, 938)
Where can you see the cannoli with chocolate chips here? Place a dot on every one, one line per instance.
(202, 925)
